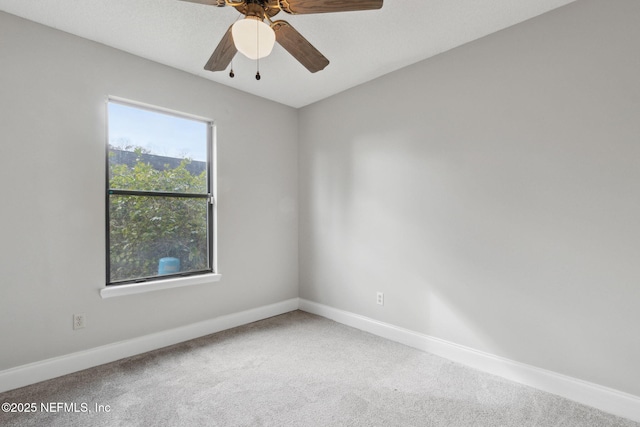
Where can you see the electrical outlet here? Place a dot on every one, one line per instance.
(78, 321)
(380, 298)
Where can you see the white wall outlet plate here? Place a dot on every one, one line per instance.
(78, 321)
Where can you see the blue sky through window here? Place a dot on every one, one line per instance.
(161, 134)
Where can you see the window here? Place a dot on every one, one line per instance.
(160, 194)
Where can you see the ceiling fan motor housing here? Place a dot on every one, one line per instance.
(260, 8)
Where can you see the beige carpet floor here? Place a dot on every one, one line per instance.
(296, 369)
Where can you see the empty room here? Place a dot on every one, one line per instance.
(320, 213)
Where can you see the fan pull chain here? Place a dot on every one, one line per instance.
(258, 49)
(231, 73)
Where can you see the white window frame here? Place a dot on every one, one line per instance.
(160, 282)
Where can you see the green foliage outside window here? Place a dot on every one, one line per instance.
(143, 229)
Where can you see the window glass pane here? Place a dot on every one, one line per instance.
(152, 151)
(144, 230)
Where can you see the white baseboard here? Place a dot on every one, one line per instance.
(51, 368)
(606, 399)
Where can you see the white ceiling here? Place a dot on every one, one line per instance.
(360, 45)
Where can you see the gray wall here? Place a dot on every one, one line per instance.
(492, 193)
(53, 89)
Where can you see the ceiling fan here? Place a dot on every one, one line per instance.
(255, 38)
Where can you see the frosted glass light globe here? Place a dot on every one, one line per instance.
(253, 38)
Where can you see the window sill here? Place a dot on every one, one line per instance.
(138, 288)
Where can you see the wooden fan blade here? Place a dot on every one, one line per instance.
(223, 54)
(298, 7)
(208, 2)
(299, 47)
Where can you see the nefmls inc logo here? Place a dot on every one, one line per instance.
(73, 407)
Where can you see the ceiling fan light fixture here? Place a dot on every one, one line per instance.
(253, 38)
